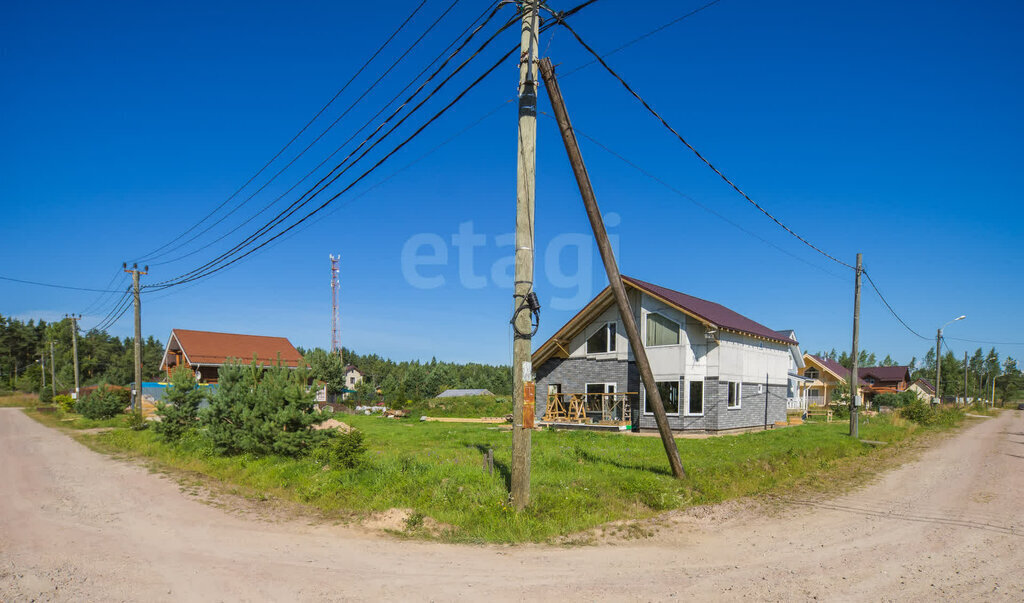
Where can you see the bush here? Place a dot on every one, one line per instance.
(346, 449)
(897, 400)
(104, 403)
(263, 411)
(181, 409)
(46, 396)
(66, 403)
(841, 411)
(135, 422)
(924, 413)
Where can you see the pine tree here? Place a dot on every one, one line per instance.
(180, 410)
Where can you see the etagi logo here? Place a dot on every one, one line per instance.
(566, 263)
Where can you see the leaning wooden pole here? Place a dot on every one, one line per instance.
(547, 72)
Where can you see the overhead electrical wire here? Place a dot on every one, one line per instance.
(309, 173)
(102, 298)
(889, 306)
(680, 193)
(366, 91)
(297, 135)
(664, 123)
(986, 342)
(56, 286)
(122, 302)
(222, 260)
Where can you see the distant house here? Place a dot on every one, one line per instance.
(795, 399)
(204, 352)
(822, 378)
(353, 377)
(924, 389)
(458, 393)
(714, 368)
(886, 379)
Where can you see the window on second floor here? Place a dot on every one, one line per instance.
(661, 330)
(603, 340)
(812, 373)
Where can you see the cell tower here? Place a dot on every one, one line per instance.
(335, 345)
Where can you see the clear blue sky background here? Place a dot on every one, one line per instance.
(888, 128)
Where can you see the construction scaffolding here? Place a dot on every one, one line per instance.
(614, 408)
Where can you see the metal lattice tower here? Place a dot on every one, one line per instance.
(335, 344)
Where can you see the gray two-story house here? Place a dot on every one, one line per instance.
(716, 369)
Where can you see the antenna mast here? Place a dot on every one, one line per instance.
(335, 346)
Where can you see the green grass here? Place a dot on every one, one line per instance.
(18, 400)
(462, 406)
(58, 418)
(580, 479)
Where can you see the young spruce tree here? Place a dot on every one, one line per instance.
(180, 410)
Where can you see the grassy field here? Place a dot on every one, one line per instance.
(18, 400)
(580, 479)
(462, 406)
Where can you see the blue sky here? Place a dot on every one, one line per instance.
(892, 130)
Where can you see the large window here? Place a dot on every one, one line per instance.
(595, 402)
(695, 405)
(812, 373)
(734, 394)
(669, 391)
(661, 331)
(603, 340)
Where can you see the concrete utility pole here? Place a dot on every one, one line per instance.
(523, 389)
(53, 372)
(335, 343)
(42, 363)
(74, 346)
(608, 257)
(965, 377)
(938, 356)
(854, 381)
(137, 391)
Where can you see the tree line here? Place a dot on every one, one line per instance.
(102, 358)
(406, 380)
(983, 371)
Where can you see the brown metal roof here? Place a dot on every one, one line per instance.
(886, 373)
(716, 314)
(208, 347)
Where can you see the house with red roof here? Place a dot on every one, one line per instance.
(204, 352)
(716, 369)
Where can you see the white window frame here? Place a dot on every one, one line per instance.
(609, 344)
(703, 401)
(586, 386)
(679, 406)
(817, 373)
(738, 385)
(679, 331)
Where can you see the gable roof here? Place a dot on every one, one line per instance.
(212, 348)
(886, 373)
(713, 315)
(924, 384)
(836, 369)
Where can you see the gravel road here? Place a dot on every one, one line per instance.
(77, 525)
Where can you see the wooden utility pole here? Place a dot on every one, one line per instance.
(42, 363)
(938, 365)
(74, 346)
(608, 257)
(137, 390)
(854, 380)
(53, 372)
(766, 390)
(523, 389)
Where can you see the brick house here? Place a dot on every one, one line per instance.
(716, 369)
(204, 352)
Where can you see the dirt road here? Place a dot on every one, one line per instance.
(75, 525)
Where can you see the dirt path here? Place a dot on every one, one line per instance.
(75, 525)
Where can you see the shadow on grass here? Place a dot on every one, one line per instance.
(502, 468)
(590, 457)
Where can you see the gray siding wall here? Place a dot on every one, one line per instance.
(575, 373)
(718, 416)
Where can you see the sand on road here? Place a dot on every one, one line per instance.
(78, 525)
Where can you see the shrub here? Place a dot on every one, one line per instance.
(104, 403)
(346, 449)
(263, 411)
(135, 422)
(45, 396)
(66, 403)
(180, 411)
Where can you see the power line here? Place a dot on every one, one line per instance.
(297, 135)
(55, 286)
(692, 148)
(641, 37)
(317, 139)
(212, 266)
(987, 342)
(887, 305)
(680, 193)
